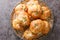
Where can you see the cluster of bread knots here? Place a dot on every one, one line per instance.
(30, 18)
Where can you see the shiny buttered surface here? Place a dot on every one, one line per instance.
(21, 21)
(46, 27)
(30, 18)
(36, 26)
(46, 12)
(34, 9)
(20, 7)
(29, 35)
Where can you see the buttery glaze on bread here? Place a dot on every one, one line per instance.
(34, 9)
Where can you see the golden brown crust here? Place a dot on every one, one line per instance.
(20, 7)
(46, 28)
(36, 26)
(46, 13)
(29, 35)
(34, 9)
(21, 21)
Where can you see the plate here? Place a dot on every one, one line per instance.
(50, 20)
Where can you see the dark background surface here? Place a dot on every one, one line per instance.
(6, 7)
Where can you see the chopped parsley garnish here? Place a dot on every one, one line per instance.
(24, 18)
(24, 8)
(36, 13)
(35, 25)
(42, 11)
